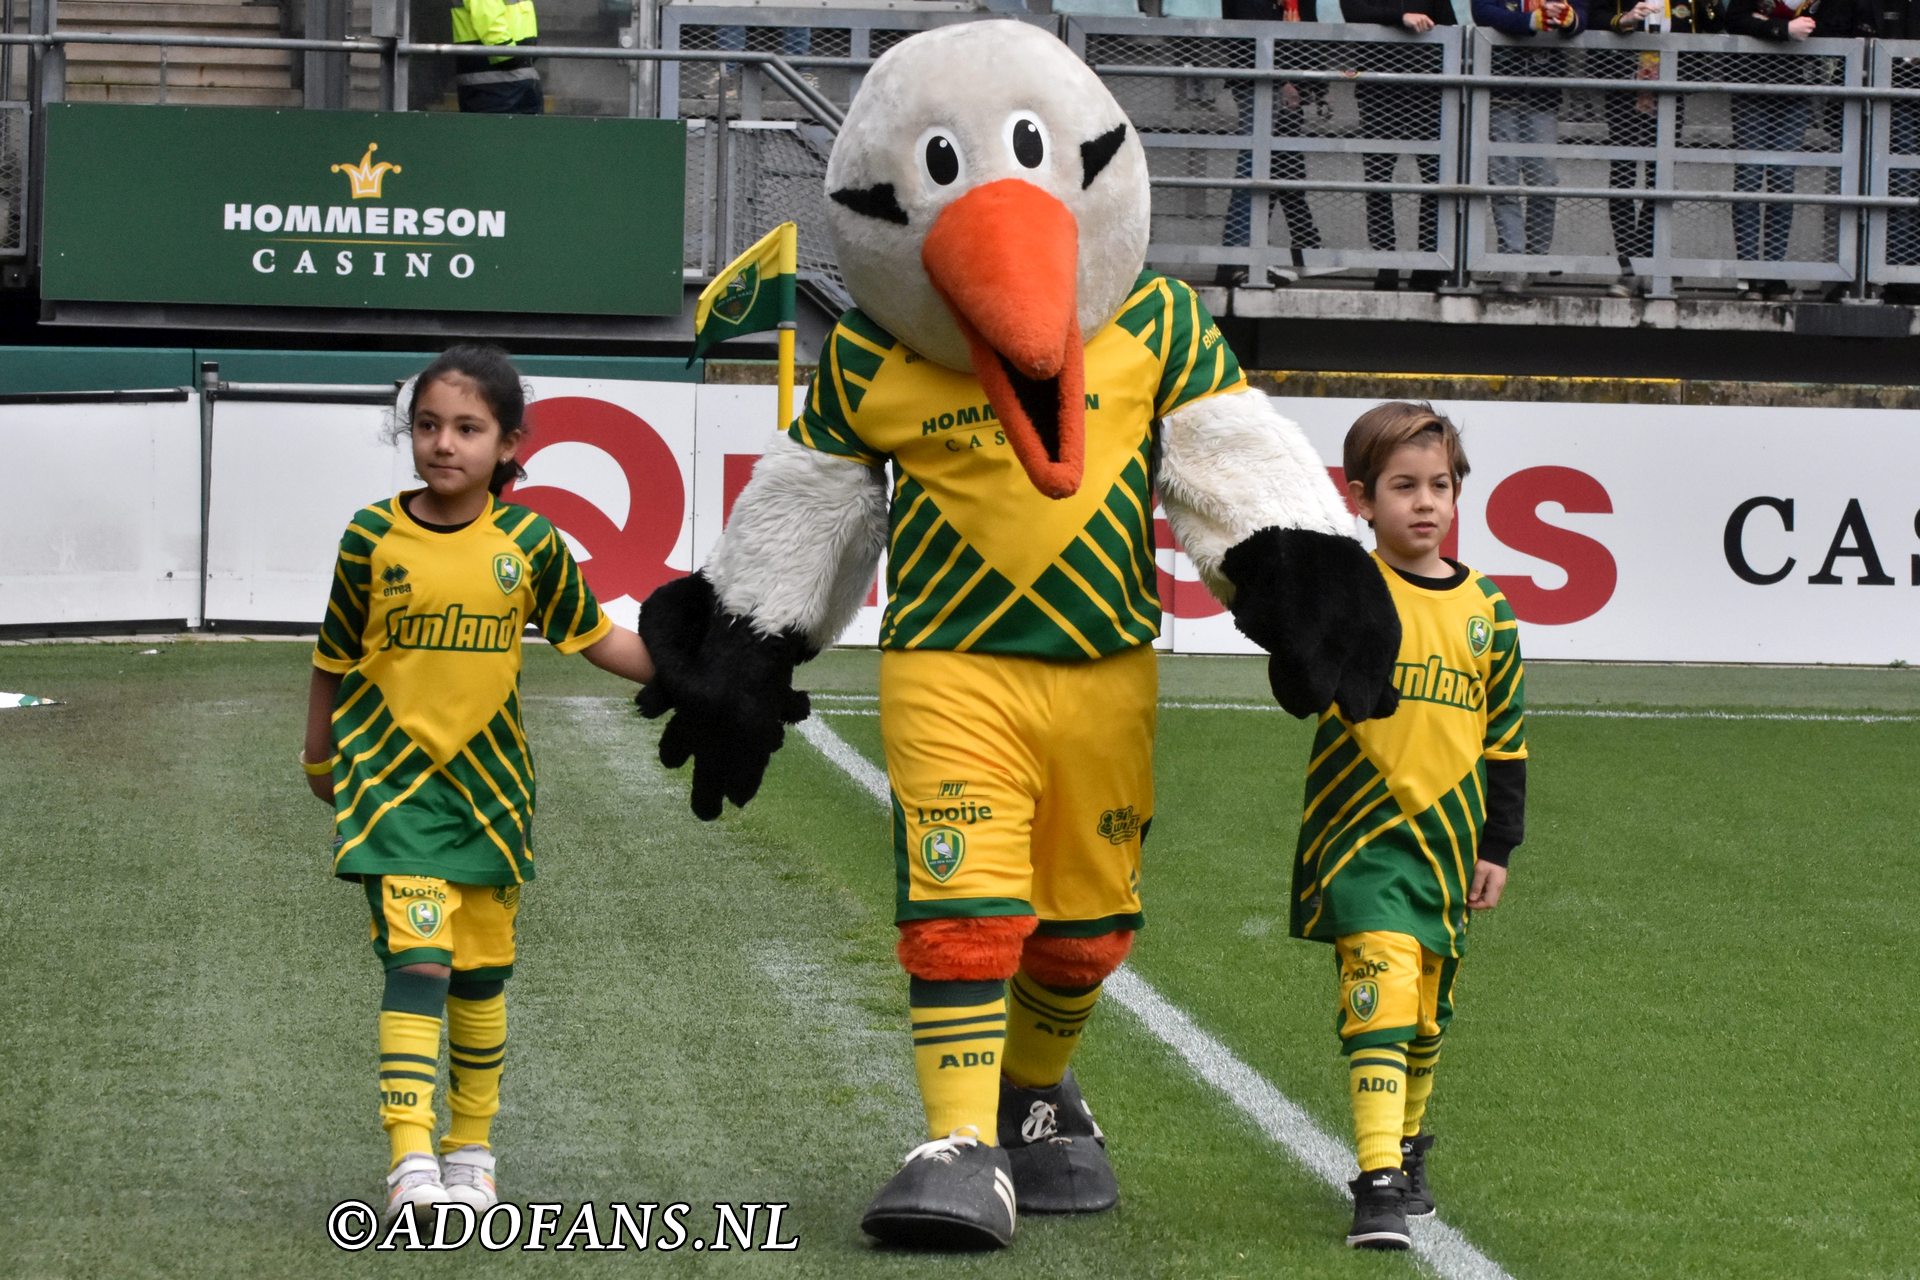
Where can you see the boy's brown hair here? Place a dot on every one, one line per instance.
(1376, 433)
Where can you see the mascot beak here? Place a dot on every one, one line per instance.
(1004, 256)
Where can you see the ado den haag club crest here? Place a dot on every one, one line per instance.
(507, 572)
(1479, 634)
(942, 849)
(1364, 999)
(424, 916)
(736, 300)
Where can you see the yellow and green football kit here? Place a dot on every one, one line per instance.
(1001, 604)
(1392, 825)
(434, 776)
(1394, 807)
(424, 920)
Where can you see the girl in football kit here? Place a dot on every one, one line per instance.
(1409, 820)
(414, 736)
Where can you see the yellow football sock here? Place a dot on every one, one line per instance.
(1377, 1083)
(1043, 1029)
(476, 1055)
(409, 1059)
(1423, 1055)
(959, 1030)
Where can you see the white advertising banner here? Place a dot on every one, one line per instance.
(286, 477)
(1687, 533)
(103, 513)
(612, 464)
(1643, 533)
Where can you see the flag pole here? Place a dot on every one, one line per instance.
(789, 272)
(786, 375)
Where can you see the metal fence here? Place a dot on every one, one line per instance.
(1721, 180)
(1893, 167)
(14, 188)
(1348, 165)
(1279, 151)
(1282, 151)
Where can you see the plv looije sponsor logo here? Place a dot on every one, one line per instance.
(393, 241)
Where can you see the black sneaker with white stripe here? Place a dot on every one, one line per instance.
(1379, 1210)
(1413, 1163)
(1056, 1152)
(951, 1193)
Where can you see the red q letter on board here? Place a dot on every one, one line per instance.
(621, 560)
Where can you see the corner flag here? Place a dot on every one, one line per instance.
(753, 294)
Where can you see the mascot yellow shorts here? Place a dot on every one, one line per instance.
(421, 920)
(1392, 989)
(1020, 786)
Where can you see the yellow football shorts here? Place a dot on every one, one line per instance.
(421, 920)
(1391, 989)
(1020, 786)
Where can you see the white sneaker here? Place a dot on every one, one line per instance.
(414, 1181)
(469, 1178)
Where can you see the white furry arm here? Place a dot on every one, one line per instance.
(1230, 465)
(802, 543)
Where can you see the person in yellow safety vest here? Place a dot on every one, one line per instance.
(508, 84)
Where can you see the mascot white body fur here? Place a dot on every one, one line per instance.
(999, 233)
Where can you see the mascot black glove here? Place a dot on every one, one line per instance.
(1316, 603)
(729, 687)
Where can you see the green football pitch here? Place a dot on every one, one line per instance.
(1682, 1044)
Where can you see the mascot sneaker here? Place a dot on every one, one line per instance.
(469, 1178)
(1413, 1163)
(414, 1181)
(1379, 1211)
(951, 1193)
(1057, 1153)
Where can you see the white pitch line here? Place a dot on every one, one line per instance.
(856, 702)
(1444, 1249)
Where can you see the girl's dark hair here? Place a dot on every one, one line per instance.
(498, 383)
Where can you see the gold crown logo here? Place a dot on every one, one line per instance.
(365, 178)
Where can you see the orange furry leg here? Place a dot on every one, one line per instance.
(964, 949)
(1070, 963)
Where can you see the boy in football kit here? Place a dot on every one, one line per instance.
(1408, 821)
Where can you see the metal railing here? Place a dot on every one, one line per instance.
(1280, 150)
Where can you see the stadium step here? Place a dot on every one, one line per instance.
(182, 75)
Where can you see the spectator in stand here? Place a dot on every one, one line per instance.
(1778, 122)
(502, 83)
(1632, 118)
(1290, 102)
(1389, 111)
(1527, 116)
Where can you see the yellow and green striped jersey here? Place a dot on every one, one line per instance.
(1394, 807)
(978, 559)
(435, 777)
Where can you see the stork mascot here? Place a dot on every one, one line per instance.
(998, 413)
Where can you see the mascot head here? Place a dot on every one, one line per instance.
(988, 204)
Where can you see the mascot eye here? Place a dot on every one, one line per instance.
(1027, 139)
(940, 158)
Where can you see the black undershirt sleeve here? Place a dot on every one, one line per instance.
(1506, 810)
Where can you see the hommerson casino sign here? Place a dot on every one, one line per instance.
(390, 210)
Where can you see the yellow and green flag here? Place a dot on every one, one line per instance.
(753, 294)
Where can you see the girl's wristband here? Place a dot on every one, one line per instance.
(320, 770)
